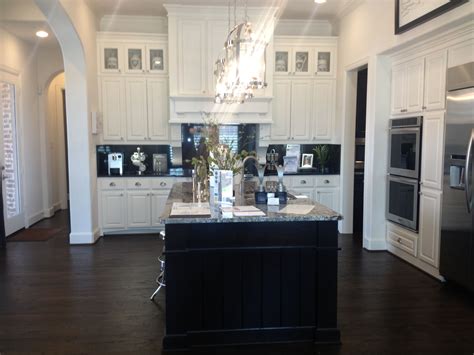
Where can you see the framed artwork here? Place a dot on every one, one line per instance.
(281, 62)
(307, 161)
(411, 13)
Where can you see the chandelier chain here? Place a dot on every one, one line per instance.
(235, 12)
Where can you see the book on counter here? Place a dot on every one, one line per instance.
(184, 209)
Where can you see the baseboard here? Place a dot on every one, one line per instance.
(377, 244)
(84, 238)
(430, 270)
(35, 218)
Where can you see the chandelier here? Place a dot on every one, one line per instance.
(241, 68)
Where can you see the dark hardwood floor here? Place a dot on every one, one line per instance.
(56, 298)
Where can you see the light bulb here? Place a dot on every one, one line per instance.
(42, 34)
(319, 1)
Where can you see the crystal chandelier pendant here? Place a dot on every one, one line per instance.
(241, 69)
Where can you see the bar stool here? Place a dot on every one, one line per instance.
(160, 280)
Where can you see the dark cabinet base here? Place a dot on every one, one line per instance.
(247, 283)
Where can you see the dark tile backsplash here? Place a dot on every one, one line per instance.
(127, 151)
(333, 166)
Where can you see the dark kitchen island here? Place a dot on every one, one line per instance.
(245, 280)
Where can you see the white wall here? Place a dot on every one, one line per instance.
(365, 34)
(33, 64)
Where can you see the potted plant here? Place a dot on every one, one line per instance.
(322, 155)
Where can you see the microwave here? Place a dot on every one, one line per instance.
(405, 147)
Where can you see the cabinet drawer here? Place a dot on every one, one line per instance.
(112, 184)
(138, 183)
(162, 183)
(402, 240)
(328, 180)
(302, 181)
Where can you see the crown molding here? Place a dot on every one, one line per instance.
(216, 11)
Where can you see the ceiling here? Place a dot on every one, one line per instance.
(23, 18)
(291, 9)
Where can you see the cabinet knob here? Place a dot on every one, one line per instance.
(326, 181)
(120, 70)
(121, 194)
(138, 184)
(315, 73)
(112, 184)
(303, 182)
(121, 138)
(423, 107)
(204, 91)
(399, 240)
(162, 183)
(145, 138)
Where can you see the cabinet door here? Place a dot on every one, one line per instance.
(192, 58)
(113, 106)
(283, 65)
(432, 150)
(113, 209)
(325, 61)
(301, 110)
(216, 37)
(435, 81)
(138, 209)
(324, 96)
(281, 110)
(398, 89)
(158, 201)
(156, 59)
(302, 61)
(328, 198)
(136, 93)
(430, 216)
(111, 58)
(157, 90)
(135, 59)
(414, 88)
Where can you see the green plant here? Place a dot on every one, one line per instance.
(322, 154)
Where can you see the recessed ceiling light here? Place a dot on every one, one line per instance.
(42, 34)
(319, 1)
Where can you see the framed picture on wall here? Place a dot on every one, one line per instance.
(411, 13)
(307, 161)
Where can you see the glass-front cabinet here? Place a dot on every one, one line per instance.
(324, 62)
(156, 59)
(135, 58)
(292, 61)
(111, 58)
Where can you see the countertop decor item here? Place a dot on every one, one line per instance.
(137, 159)
(411, 13)
(322, 155)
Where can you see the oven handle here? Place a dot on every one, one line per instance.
(467, 171)
(402, 179)
(401, 130)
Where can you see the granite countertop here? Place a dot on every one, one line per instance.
(182, 192)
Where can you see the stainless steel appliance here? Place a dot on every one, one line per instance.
(405, 147)
(402, 201)
(115, 164)
(457, 223)
(404, 171)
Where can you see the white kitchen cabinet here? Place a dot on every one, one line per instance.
(429, 226)
(158, 202)
(328, 197)
(324, 60)
(419, 84)
(280, 129)
(139, 208)
(435, 81)
(135, 58)
(157, 104)
(323, 109)
(136, 92)
(414, 88)
(112, 100)
(294, 61)
(113, 209)
(432, 150)
(111, 58)
(192, 58)
(283, 61)
(301, 110)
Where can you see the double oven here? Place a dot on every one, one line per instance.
(404, 171)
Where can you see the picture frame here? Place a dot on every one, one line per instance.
(306, 161)
(411, 13)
